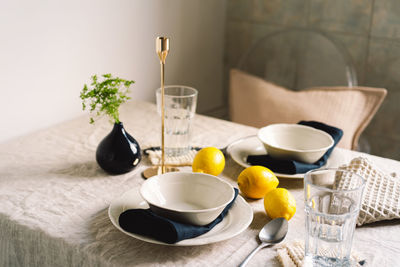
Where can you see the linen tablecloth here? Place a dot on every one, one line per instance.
(54, 200)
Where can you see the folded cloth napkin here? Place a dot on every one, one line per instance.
(381, 198)
(291, 254)
(292, 166)
(145, 222)
(154, 154)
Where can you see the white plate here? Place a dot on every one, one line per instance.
(251, 145)
(238, 218)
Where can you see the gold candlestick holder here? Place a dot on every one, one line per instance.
(162, 49)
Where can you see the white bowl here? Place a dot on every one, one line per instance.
(193, 198)
(295, 142)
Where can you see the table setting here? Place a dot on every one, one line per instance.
(184, 189)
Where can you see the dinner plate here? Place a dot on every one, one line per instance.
(251, 145)
(238, 218)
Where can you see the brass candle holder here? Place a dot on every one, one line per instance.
(162, 49)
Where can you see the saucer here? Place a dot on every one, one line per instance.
(237, 220)
(251, 145)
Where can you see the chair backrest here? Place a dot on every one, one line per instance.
(256, 102)
(298, 58)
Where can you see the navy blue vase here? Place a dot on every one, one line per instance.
(118, 152)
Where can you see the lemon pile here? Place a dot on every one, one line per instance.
(259, 182)
(254, 182)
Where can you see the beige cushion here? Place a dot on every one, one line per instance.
(256, 102)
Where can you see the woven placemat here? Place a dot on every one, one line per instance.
(154, 154)
(291, 254)
(381, 199)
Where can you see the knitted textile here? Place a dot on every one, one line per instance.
(154, 155)
(381, 199)
(291, 254)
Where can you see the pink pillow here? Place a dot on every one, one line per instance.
(254, 101)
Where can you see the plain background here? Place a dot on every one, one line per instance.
(50, 49)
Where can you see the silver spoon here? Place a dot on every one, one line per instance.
(272, 233)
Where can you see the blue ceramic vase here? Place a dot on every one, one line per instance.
(118, 152)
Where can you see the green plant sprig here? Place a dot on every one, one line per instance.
(105, 96)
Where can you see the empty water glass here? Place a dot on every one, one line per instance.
(180, 107)
(332, 203)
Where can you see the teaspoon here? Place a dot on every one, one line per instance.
(272, 233)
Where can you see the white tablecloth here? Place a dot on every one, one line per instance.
(54, 200)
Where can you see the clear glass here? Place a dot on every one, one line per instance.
(332, 203)
(180, 107)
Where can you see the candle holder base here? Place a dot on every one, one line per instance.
(156, 170)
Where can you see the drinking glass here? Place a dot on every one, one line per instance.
(180, 106)
(332, 203)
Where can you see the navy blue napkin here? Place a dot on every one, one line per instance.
(292, 166)
(147, 223)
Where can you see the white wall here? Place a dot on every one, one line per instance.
(50, 48)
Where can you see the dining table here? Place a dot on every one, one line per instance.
(55, 199)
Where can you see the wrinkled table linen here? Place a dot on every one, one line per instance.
(54, 200)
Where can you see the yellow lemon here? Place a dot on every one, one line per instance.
(209, 160)
(280, 203)
(256, 181)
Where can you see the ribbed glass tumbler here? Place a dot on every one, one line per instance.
(332, 203)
